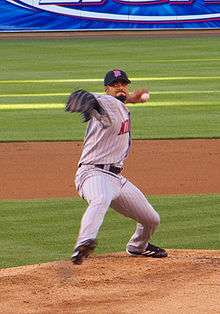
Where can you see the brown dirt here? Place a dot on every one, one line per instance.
(45, 170)
(117, 33)
(185, 282)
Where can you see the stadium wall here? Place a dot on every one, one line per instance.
(80, 15)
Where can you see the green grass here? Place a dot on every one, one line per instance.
(45, 230)
(147, 123)
(153, 58)
(82, 58)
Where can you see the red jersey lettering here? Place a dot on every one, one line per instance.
(125, 127)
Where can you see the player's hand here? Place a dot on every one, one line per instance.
(140, 95)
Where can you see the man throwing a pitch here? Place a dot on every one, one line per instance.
(98, 178)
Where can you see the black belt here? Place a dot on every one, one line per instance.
(110, 168)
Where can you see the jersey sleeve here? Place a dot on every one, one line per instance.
(108, 115)
(109, 104)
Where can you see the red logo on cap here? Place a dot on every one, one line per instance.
(117, 73)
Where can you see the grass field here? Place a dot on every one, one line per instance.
(150, 122)
(45, 230)
(183, 76)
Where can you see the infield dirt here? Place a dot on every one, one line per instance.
(46, 169)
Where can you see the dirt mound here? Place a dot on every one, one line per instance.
(185, 282)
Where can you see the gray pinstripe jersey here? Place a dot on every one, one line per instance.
(107, 144)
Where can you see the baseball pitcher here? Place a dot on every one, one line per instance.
(99, 178)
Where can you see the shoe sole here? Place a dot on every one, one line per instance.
(157, 255)
(84, 252)
(150, 254)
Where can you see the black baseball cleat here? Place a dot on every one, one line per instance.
(150, 251)
(83, 251)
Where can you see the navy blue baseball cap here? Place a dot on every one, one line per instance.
(114, 76)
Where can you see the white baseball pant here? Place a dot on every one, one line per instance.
(103, 190)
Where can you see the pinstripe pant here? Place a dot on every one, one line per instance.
(103, 190)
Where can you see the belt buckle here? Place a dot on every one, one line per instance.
(105, 167)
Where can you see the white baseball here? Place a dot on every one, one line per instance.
(145, 97)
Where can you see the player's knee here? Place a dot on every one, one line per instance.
(156, 219)
(153, 220)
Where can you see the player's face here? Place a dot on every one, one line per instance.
(117, 89)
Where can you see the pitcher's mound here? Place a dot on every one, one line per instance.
(185, 282)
